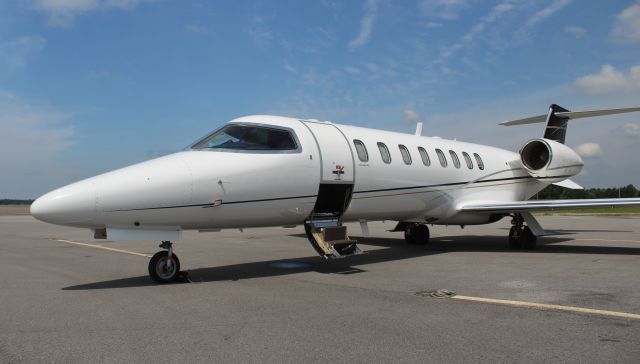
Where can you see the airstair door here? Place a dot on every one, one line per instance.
(323, 228)
(336, 158)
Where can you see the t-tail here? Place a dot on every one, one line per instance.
(558, 118)
(547, 158)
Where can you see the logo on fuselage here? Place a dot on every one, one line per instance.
(339, 171)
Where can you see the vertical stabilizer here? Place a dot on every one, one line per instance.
(556, 125)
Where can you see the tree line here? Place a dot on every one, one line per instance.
(554, 192)
(8, 201)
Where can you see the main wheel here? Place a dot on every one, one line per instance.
(515, 238)
(417, 234)
(528, 239)
(163, 269)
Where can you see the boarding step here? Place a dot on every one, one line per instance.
(329, 238)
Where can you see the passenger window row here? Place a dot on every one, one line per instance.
(363, 155)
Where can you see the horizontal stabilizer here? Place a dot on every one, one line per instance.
(517, 206)
(569, 115)
(567, 183)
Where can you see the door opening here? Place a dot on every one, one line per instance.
(333, 200)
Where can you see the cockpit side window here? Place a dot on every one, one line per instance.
(248, 137)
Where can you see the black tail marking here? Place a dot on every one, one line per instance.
(556, 125)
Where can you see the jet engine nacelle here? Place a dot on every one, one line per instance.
(549, 160)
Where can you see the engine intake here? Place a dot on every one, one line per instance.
(549, 160)
(535, 155)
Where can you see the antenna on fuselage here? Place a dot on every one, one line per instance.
(419, 128)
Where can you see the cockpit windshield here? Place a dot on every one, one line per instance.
(248, 137)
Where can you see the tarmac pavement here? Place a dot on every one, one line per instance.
(262, 295)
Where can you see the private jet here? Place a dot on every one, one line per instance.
(260, 171)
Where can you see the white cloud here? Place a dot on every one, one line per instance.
(31, 138)
(366, 25)
(352, 70)
(523, 34)
(412, 116)
(627, 26)
(62, 13)
(289, 68)
(258, 30)
(444, 9)
(547, 11)
(588, 150)
(15, 53)
(578, 32)
(497, 11)
(609, 80)
(631, 129)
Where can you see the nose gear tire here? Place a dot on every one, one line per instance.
(163, 269)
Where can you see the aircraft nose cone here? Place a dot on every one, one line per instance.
(71, 205)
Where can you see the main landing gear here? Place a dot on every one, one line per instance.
(521, 236)
(416, 234)
(164, 266)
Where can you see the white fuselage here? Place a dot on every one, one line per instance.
(216, 189)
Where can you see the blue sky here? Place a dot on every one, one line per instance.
(87, 86)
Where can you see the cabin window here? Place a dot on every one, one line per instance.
(443, 159)
(384, 152)
(406, 157)
(479, 161)
(467, 159)
(361, 150)
(248, 137)
(454, 157)
(424, 156)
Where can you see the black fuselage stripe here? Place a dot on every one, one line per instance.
(456, 184)
(223, 203)
(268, 199)
(429, 191)
(355, 192)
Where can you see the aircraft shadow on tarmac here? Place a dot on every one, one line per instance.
(570, 232)
(392, 249)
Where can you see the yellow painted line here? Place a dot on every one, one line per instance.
(609, 240)
(103, 248)
(544, 306)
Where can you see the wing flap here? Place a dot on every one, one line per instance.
(534, 205)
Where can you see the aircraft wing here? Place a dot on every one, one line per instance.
(532, 205)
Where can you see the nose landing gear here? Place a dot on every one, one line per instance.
(164, 266)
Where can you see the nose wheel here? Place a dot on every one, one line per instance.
(164, 266)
